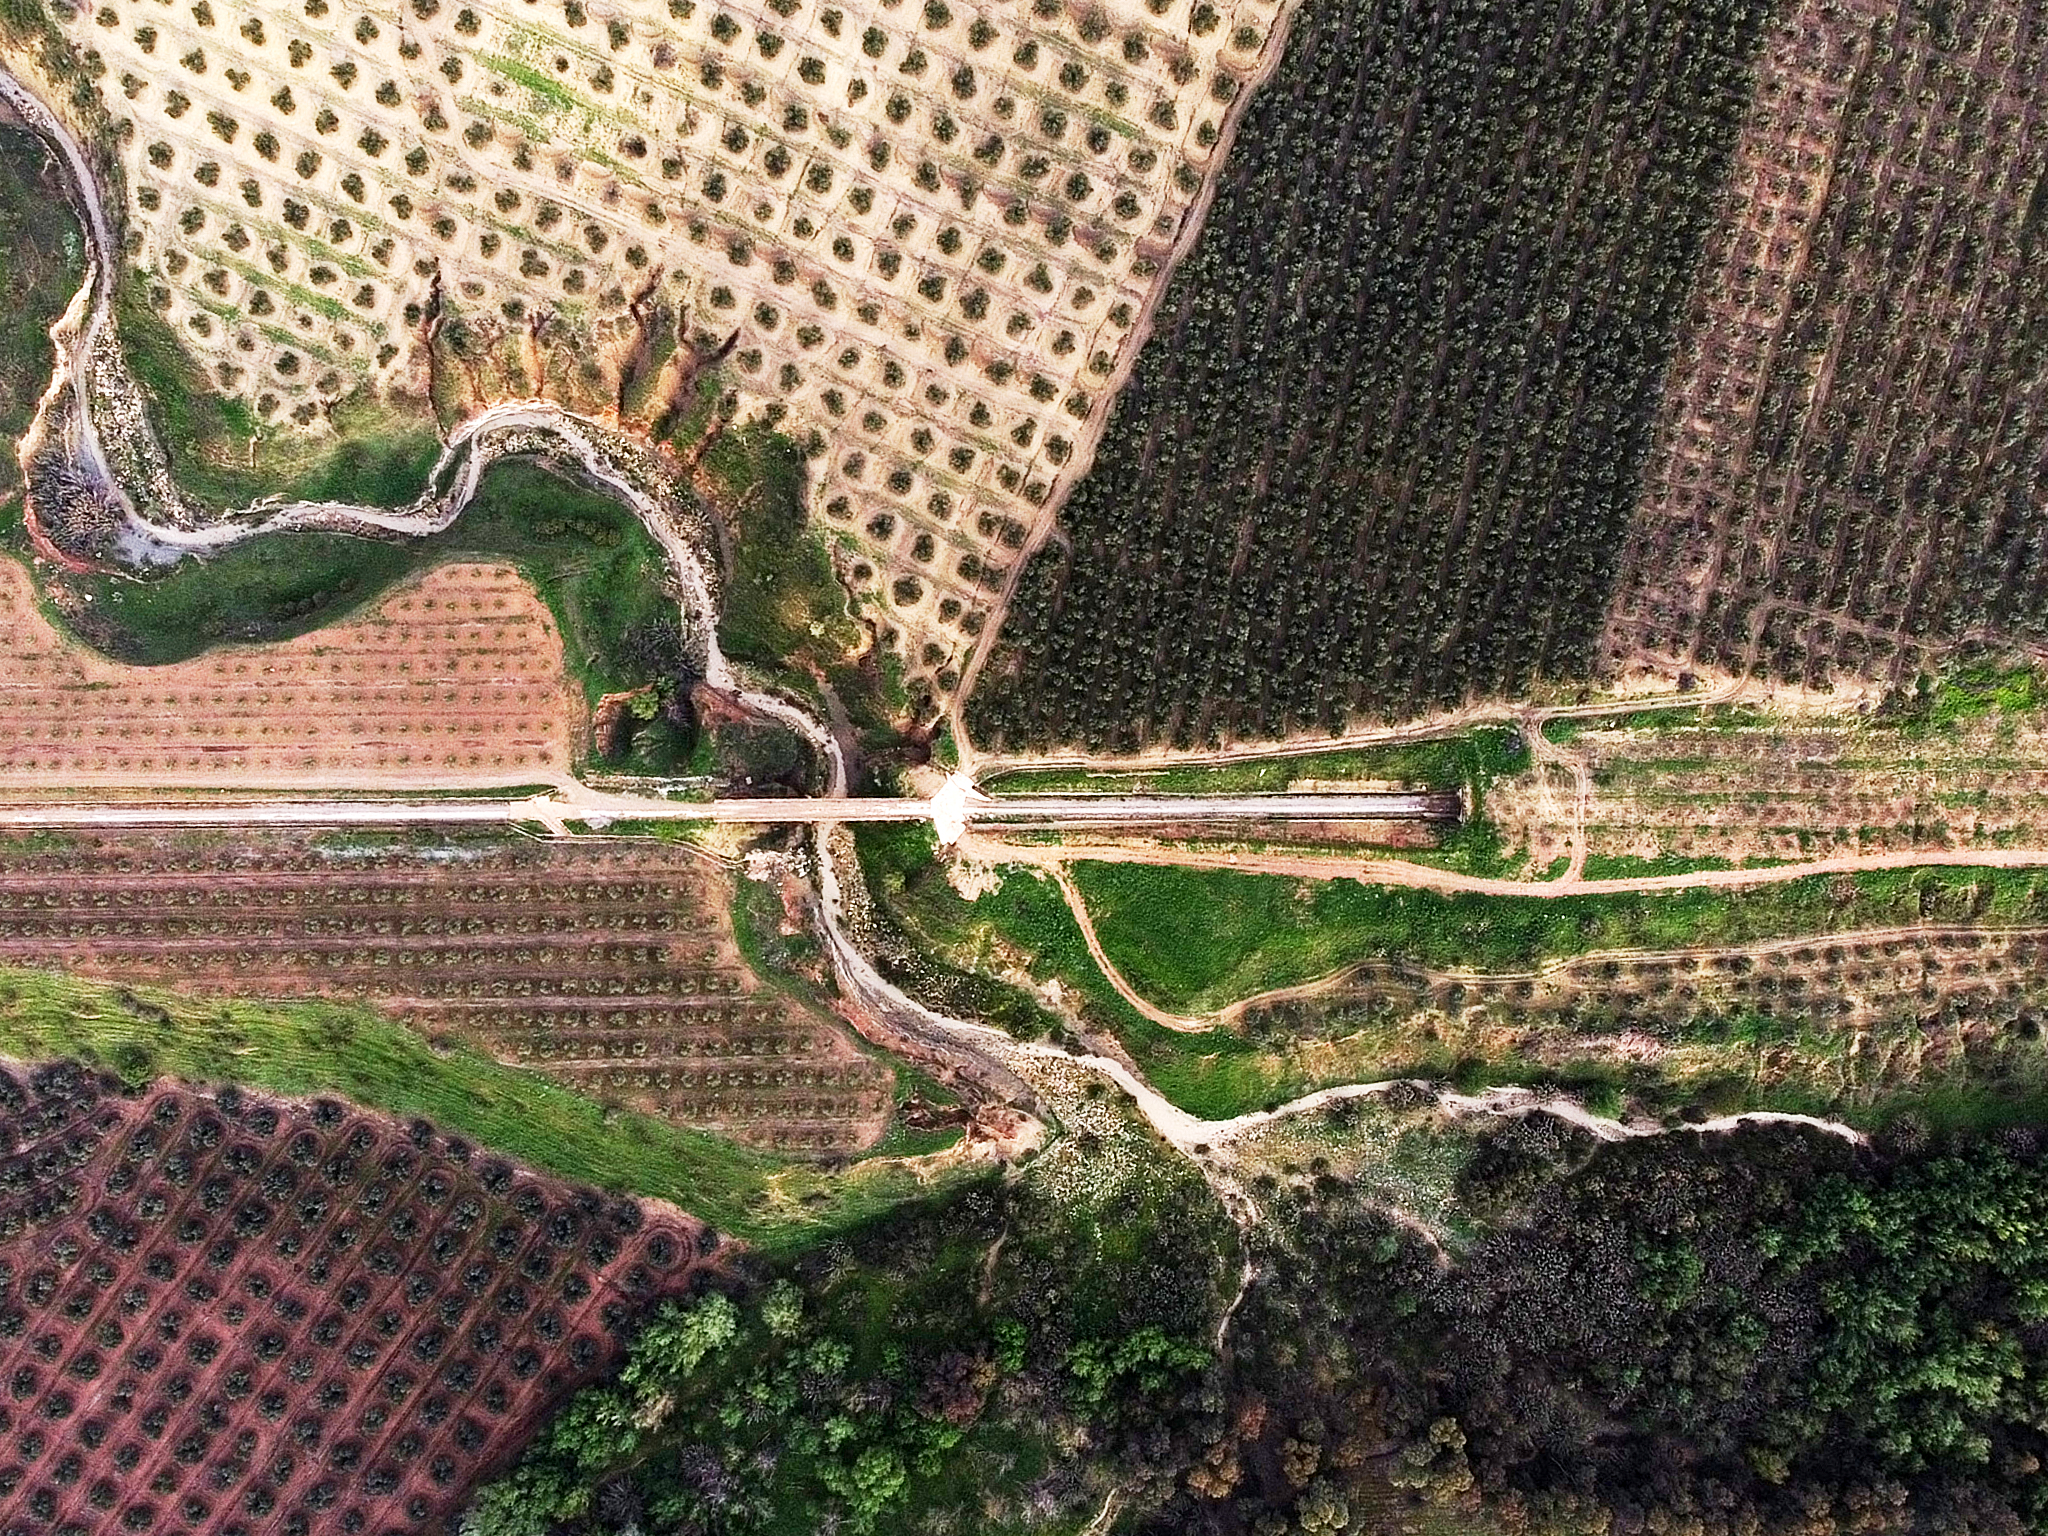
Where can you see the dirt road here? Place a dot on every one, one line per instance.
(1182, 1023)
(1056, 859)
(1452, 882)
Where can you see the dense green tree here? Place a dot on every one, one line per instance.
(1380, 449)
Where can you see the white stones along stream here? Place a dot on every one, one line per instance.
(158, 524)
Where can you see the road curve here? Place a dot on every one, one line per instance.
(1454, 882)
(84, 332)
(1184, 1024)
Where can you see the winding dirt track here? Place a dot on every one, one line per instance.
(1452, 882)
(1182, 1023)
(1055, 860)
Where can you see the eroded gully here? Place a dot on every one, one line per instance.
(88, 366)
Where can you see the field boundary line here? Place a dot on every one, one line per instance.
(1089, 438)
(1057, 861)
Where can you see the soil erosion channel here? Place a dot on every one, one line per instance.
(89, 367)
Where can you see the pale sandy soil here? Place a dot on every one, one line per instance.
(929, 232)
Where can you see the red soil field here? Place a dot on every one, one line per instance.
(229, 1315)
(608, 963)
(454, 679)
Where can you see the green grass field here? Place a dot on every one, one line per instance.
(42, 258)
(1191, 940)
(311, 1048)
(1025, 922)
(782, 602)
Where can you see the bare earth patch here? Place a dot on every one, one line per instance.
(455, 679)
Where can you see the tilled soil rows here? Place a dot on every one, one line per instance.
(223, 1313)
(1788, 789)
(456, 679)
(608, 965)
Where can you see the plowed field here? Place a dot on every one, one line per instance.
(1837, 1020)
(455, 679)
(1788, 787)
(609, 965)
(224, 1314)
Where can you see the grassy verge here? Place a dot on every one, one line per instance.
(42, 259)
(1196, 939)
(933, 940)
(783, 610)
(965, 949)
(1471, 762)
(381, 454)
(1444, 763)
(1671, 717)
(1624, 866)
(307, 1048)
(261, 590)
(1416, 765)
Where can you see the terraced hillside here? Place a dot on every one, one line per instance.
(1846, 1020)
(925, 235)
